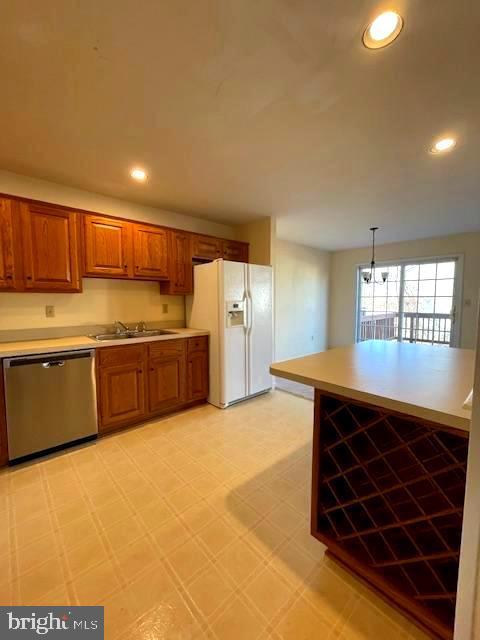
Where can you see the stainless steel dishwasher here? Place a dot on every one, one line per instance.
(50, 402)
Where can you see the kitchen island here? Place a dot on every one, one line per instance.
(390, 447)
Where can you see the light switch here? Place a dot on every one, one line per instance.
(49, 311)
(164, 308)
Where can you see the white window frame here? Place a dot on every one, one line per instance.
(457, 291)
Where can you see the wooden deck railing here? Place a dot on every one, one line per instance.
(431, 328)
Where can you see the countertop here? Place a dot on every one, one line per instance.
(74, 343)
(429, 382)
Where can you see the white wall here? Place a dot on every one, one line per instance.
(17, 185)
(343, 280)
(259, 234)
(102, 300)
(301, 300)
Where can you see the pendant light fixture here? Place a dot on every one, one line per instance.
(368, 275)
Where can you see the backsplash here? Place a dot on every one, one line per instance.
(101, 303)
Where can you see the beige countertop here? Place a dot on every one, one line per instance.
(73, 343)
(429, 382)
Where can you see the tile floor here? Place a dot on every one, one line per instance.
(194, 526)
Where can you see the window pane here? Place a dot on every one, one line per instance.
(428, 271)
(393, 273)
(446, 269)
(380, 288)
(443, 305)
(445, 287)
(380, 305)
(411, 272)
(426, 288)
(366, 290)
(425, 305)
(410, 304)
(427, 295)
(393, 288)
(366, 305)
(392, 305)
(411, 288)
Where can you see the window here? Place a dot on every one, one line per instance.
(417, 303)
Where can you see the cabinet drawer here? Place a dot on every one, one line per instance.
(198, 344)
(113, 356)
(162, 349)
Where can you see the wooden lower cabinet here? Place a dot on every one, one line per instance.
(136, 382)
(166, 383)
(197, 369)
(122, 390)
(3, 422)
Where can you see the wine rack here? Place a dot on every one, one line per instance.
(387, 500)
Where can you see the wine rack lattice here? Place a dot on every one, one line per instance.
(390, 493)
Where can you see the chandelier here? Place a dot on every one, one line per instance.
(368, 275)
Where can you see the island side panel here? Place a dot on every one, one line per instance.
(387, 500)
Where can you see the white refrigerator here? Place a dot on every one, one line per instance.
(233, 301)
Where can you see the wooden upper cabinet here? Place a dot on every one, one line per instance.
(235, 251)
(150, 251)
(50, 241)
(206, 247)
(180, 269)
(108, 247)
(8, 279)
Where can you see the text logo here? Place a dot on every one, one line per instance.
(24, 623)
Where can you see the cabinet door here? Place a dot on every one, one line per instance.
(206, 248)
(50, 248)
(180, 265)
(3, 422)
(107, 247)
(8, 280)
(235, 251)
(166, 383)
(197, 375)
(122, 395)
(150, 252)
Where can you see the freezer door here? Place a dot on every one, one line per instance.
(234, 351)
(260, 327)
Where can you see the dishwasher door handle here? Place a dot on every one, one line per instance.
(53, 363)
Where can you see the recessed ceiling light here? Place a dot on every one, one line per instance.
(383, 30)
(138, 174)
(445, 144)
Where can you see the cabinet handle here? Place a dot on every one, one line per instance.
(9, 276)
(29, 277)
(125, 266)
(152, 369)
(140, 371)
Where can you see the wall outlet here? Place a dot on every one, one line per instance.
(49, 311)
(164, 308)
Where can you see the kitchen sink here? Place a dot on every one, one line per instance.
(124, 335)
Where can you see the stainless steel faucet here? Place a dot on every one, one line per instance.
(141, 326)
(120, 327)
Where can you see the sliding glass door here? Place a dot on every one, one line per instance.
(417, 303)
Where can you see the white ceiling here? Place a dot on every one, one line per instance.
(247, 108)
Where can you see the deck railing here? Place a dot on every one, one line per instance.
(431, 328)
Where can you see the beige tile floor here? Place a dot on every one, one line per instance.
(194, 526)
